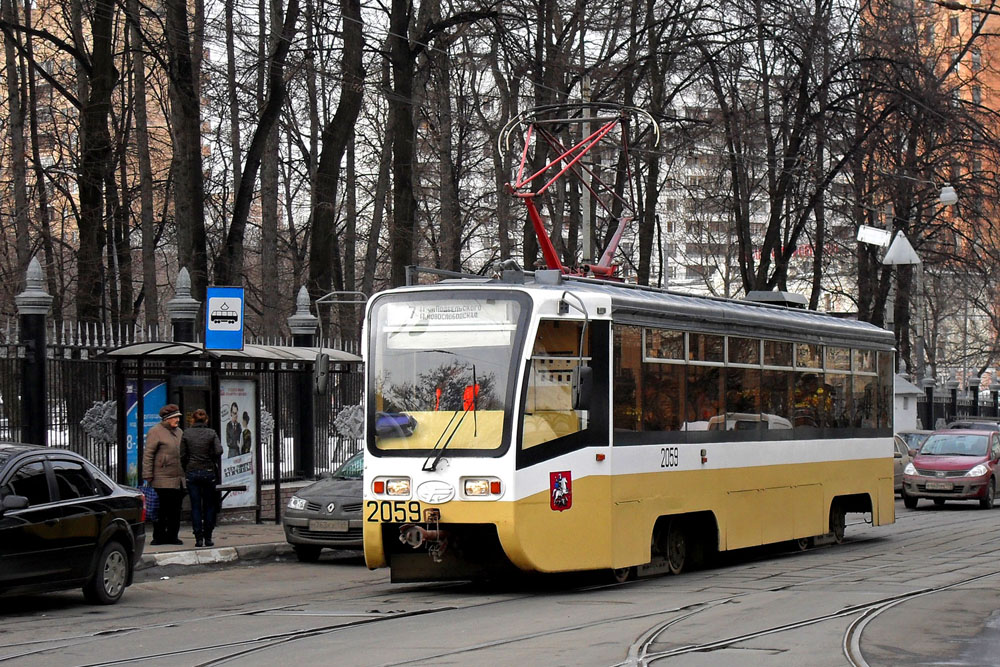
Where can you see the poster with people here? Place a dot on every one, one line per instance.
(238, 409)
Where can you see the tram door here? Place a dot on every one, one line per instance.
(565, 443)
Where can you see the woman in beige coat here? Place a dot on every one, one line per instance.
(161, 467)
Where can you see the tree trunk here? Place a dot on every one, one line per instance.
(18, 161)
(185, 112)
(150, 289)
(325, 268)
(229, 266)
(403, 228)
(95, 163)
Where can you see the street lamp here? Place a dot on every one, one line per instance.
(901, 253)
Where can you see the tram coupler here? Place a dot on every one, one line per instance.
(417, 536)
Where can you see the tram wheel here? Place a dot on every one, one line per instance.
(803, 543)
(838, 523)
(620, 575)
(677, 547)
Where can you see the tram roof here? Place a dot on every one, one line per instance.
(637, 304)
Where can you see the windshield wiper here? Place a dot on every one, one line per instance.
(467, 407)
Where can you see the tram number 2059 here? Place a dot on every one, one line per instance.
(392, 511)
(669, 457)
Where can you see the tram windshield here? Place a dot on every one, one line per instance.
(441, 369)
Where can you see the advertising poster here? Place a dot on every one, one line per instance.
(154, 397)
(238, 417)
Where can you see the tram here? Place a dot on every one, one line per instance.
(545, 422)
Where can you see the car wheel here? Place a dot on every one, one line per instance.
(110, 577)
(986, 502)
(909, 502)
(307, 553)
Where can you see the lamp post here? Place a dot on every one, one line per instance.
(900, 253)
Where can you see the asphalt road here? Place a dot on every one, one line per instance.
(923, 591)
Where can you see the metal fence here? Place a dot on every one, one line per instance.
(77, 378)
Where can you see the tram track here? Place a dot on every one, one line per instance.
(851, 557)
(640, 655)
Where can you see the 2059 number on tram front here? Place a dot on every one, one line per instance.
(392, 511)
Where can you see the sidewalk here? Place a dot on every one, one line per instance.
(233, 542)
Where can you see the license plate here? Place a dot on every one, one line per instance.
(328, 525)
(940, 486)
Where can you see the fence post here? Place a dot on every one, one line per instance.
(303, 327)
(974, 395)
(183, 309)
(995, 394)
(928, 417)
(952, 386)
(33, 308)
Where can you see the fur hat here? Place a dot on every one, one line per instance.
(169, 410)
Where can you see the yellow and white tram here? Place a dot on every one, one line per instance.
(548, 423)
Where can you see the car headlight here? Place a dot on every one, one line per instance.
(977, 471)
(296, 503)
(909, 469)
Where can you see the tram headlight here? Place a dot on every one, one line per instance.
(977, 471)
(481, 487)
(399, 486)
(909, 469)
(477, 487)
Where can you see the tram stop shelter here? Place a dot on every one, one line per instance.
(262, 401)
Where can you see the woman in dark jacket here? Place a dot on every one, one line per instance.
(201, 457)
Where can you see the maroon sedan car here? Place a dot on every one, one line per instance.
(954, 465)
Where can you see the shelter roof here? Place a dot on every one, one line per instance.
(249, 353)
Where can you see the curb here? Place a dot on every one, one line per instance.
(214, 555)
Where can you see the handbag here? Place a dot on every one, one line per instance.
(152, 501)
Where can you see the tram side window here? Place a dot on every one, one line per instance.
(704, 396)
(549, 411)
(743, 390)
(841, 403)
(776, 394)
(865, 401)
(627, 406)
(662, 397)
(886, 377)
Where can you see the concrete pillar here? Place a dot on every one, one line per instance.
(33, 308)
(183, 310)
(303, 326)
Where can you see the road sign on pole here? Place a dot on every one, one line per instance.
(224, 318)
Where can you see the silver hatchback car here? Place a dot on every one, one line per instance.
(327, 514)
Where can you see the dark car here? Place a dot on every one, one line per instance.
(64, 523)
(954, 464)
(327, 513)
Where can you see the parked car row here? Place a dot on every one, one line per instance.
(65, 524)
